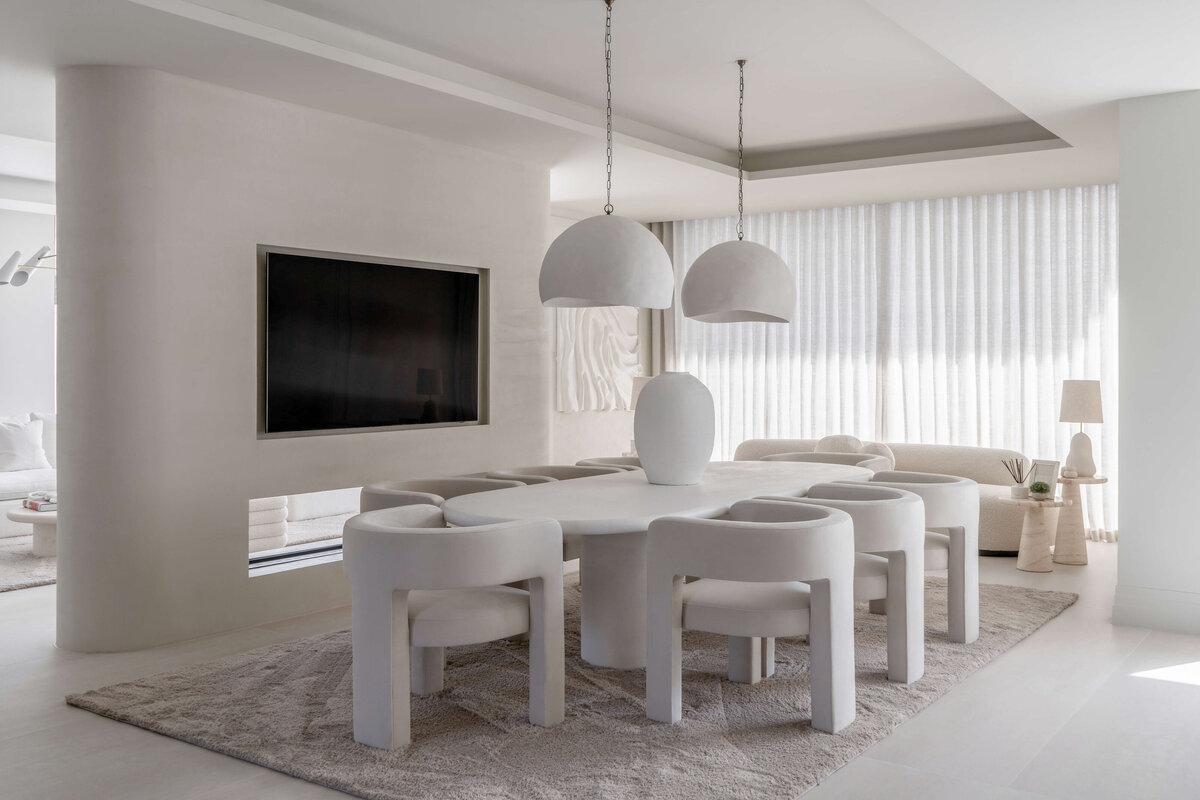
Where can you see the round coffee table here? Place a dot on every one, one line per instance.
(1070, 545)
(1034, 555)
(45, 529)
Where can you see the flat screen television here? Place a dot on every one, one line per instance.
(354, 343)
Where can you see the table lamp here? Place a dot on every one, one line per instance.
(1081, 403)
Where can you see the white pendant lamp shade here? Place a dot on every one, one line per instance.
(607, 260)
(739, 281)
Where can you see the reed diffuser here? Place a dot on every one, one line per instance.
(1020, 473)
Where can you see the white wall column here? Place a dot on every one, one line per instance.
(1159, 584)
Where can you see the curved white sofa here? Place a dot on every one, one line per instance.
(999, 524)
(16, 485)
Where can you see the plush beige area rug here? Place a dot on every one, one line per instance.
(20, 568)
(288, 707)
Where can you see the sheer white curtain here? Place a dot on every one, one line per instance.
(949, 321)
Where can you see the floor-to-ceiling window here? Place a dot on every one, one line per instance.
(949, 321)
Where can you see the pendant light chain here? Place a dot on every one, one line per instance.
(741, 102)
(608, 206)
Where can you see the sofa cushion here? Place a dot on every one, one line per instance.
(21, 446)
(49, 435)
(880, 449)
(17, 485)
(980, 464)
(838, 443)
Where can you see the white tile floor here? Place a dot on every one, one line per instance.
(1067, 713)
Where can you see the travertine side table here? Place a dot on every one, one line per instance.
(1070, 545)
(1036, 535)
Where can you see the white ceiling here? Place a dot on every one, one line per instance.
(847, 100)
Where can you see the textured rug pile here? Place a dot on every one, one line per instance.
(288, 707)
(20, 568)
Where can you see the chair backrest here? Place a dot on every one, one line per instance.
(386, 494)
(410, 548)
(885, 519)
(950, 501)
(755, 449)
(623, 462)
(797, 543)
(552, 472)
(871, 462)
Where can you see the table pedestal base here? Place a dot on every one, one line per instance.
(1070, 545)
(45, 540)
(1034, 555)
(612, 574)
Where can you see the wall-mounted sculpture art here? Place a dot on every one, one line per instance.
(597, 358)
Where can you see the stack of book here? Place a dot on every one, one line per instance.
(40, 504)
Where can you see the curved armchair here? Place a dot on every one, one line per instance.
(424, 491)
(418, 585)
(951, 504)
(872, 462)
(623, 462)
(889, 537)
(551, 472)
(758, 577)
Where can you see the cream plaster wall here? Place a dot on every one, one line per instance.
(1158, 583)
(166, 187)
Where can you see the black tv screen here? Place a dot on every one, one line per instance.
(355, 344)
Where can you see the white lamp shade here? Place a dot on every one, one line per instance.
(1080, 402)
(9, 268)
(739, 281)
(607, 260)
(36, 258)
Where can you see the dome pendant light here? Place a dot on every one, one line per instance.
(739, 281)
(607, 260)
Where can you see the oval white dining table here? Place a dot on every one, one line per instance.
(611, 514)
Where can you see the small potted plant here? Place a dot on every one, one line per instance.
(1040, 490)
(1019, 472)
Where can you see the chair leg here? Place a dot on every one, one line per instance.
(831, 647)
(745, 659)
(664, 649)
(877, 606)
(379, 624)
(768, 656)
(962, 589)
(547, 671)
(906, 616)
(428, 665)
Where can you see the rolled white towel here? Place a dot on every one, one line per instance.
(275, 542)
(268, 516)
(268, 531)
(268, 503)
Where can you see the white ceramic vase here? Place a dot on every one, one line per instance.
(1019, 492)
(673, 427)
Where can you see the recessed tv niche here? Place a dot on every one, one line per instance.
(353, 342)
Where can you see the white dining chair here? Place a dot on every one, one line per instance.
(952, 505)
(874, 463)
(432, 491)
(572, 546)
(756, 577)
(551, 472)
(889, 537)
(624, 462)
(416, 584)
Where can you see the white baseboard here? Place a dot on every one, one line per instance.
(1158, 609)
